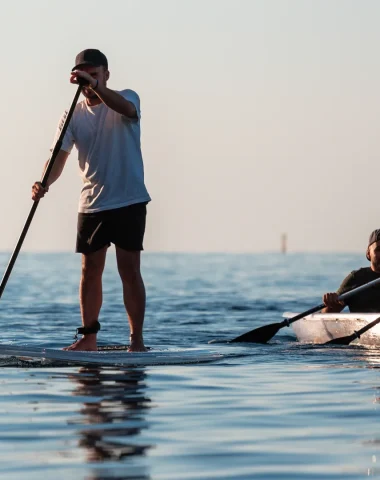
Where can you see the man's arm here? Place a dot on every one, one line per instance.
(116, 102)
(58, 167)
(38, 191)
(333, 304)
(111, 98)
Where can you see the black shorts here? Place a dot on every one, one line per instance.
(125, 227)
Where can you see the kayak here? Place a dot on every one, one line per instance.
(323, 327)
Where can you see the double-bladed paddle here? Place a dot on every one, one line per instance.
(44, 180)
(265, 333)
(350, 338)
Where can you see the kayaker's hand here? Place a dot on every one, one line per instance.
(332, 301)
(38, 191)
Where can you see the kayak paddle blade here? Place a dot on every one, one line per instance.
(342, 340)
(260, 335)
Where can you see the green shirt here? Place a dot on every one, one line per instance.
(364, 302)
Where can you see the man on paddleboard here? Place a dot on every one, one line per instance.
(105, 129)
(367, 301)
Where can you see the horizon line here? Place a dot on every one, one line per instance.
(208, 252)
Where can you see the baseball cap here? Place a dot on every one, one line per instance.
(374, 237)
(92, 57)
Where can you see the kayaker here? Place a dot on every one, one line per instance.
(105, 128)
(367, 301)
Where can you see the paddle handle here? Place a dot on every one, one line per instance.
(49, 167)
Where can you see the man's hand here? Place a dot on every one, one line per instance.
(332, 302)
(38, 191)
(91, 81)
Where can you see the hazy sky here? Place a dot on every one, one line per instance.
(258, 117)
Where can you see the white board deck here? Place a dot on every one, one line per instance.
(113, 357)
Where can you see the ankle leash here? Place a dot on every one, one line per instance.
(85, 330)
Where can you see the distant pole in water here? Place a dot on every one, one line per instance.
(284, 240)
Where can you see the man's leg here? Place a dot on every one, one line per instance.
(128, 263)
(90, 293)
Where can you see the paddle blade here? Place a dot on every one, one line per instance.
(350, 338)
(342, 340)
(260, 335)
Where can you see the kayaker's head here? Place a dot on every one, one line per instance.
(373, 250)
(95, 63)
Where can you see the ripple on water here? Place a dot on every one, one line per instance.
(279, 411)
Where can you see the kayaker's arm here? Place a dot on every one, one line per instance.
(332, 302)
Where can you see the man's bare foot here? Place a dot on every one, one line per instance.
(136, 345)
(86, 344)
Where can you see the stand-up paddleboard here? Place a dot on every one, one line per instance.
(116, 356)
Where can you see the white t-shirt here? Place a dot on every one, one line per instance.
(109, 154)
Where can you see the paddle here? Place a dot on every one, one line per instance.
(350, 338)
(44, 180)
(265, 333)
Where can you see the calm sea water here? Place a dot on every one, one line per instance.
(279, 411)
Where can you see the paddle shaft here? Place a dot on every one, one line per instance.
(368, 327)
(44, 180)
(265, 333)
(349, 294)
(357, 334)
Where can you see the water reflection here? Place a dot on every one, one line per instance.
(114, 414)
